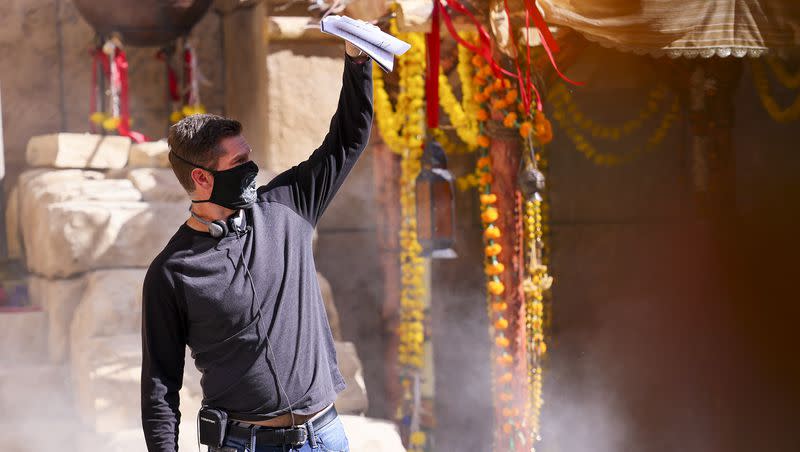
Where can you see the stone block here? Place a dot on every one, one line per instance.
(158, 185)
(374, 435)
(354, 206)
(330, 306)
(111, 305)
(78, 150)
(114, 418)
(353, 400)
(73, 237)
(58, 298)
(298, 126)
(358, 298)
(39, 187)
(152, 154)
(23, 337)
(105, 373)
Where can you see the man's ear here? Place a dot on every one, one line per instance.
(201, 178)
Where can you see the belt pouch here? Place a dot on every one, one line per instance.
(212, 424)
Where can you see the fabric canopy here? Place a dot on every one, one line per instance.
(683, 28)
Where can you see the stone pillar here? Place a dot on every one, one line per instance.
(245, 49)
(386, 172)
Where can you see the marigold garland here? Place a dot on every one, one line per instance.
(656, 101)
(497, 308)
(534, 287)
(448, 145)
(761, 82)
(791, 81)
(391, 120)
(561, 104)
(402, 128)
(461, 113)
(498, 99)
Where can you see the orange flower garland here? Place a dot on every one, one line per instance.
(493, 268)
(499, 100)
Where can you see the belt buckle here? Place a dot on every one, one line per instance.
(302, 436)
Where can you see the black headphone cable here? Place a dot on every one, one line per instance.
(269, 343)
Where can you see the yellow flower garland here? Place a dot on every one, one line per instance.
(655, 102)
(387, 119)
(791, 81)
(403, 130)
(466, 72)
(461, 114)
(538, 281)
(585, 147)
(410, 141)
(761, 82)
(391, 120)
(497, 308)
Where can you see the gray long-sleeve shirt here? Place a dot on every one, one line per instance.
(197, 293)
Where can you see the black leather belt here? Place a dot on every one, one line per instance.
(280, 436)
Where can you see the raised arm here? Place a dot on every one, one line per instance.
(163, 350)
(309, 187)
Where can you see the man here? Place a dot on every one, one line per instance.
(237, 284)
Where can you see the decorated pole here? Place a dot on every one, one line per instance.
(508, 322)
(500, 117)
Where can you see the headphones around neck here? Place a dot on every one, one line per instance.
(219, 228)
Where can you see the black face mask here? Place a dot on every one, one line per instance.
(234, 188)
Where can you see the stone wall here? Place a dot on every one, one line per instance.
(87, 224)
(45, 75)
(88, 233)
(305, 78)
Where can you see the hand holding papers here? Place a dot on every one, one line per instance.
(382, 47)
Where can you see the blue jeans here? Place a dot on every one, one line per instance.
(330, 438)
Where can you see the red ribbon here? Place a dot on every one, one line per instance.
(528, 80)
(548, 41)
(521, 82)
(484, 47)
(187, 76)
(124, 115)
(432, 77)
(172, 77)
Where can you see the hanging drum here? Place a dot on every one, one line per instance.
(143, 23)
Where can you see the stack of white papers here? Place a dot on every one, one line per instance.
(382, 47)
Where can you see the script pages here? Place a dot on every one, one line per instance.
(382, 47)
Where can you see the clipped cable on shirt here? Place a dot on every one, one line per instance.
(253, 301)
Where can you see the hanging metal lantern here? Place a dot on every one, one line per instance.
(435, 204)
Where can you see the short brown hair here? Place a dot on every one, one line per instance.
(196, 138)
